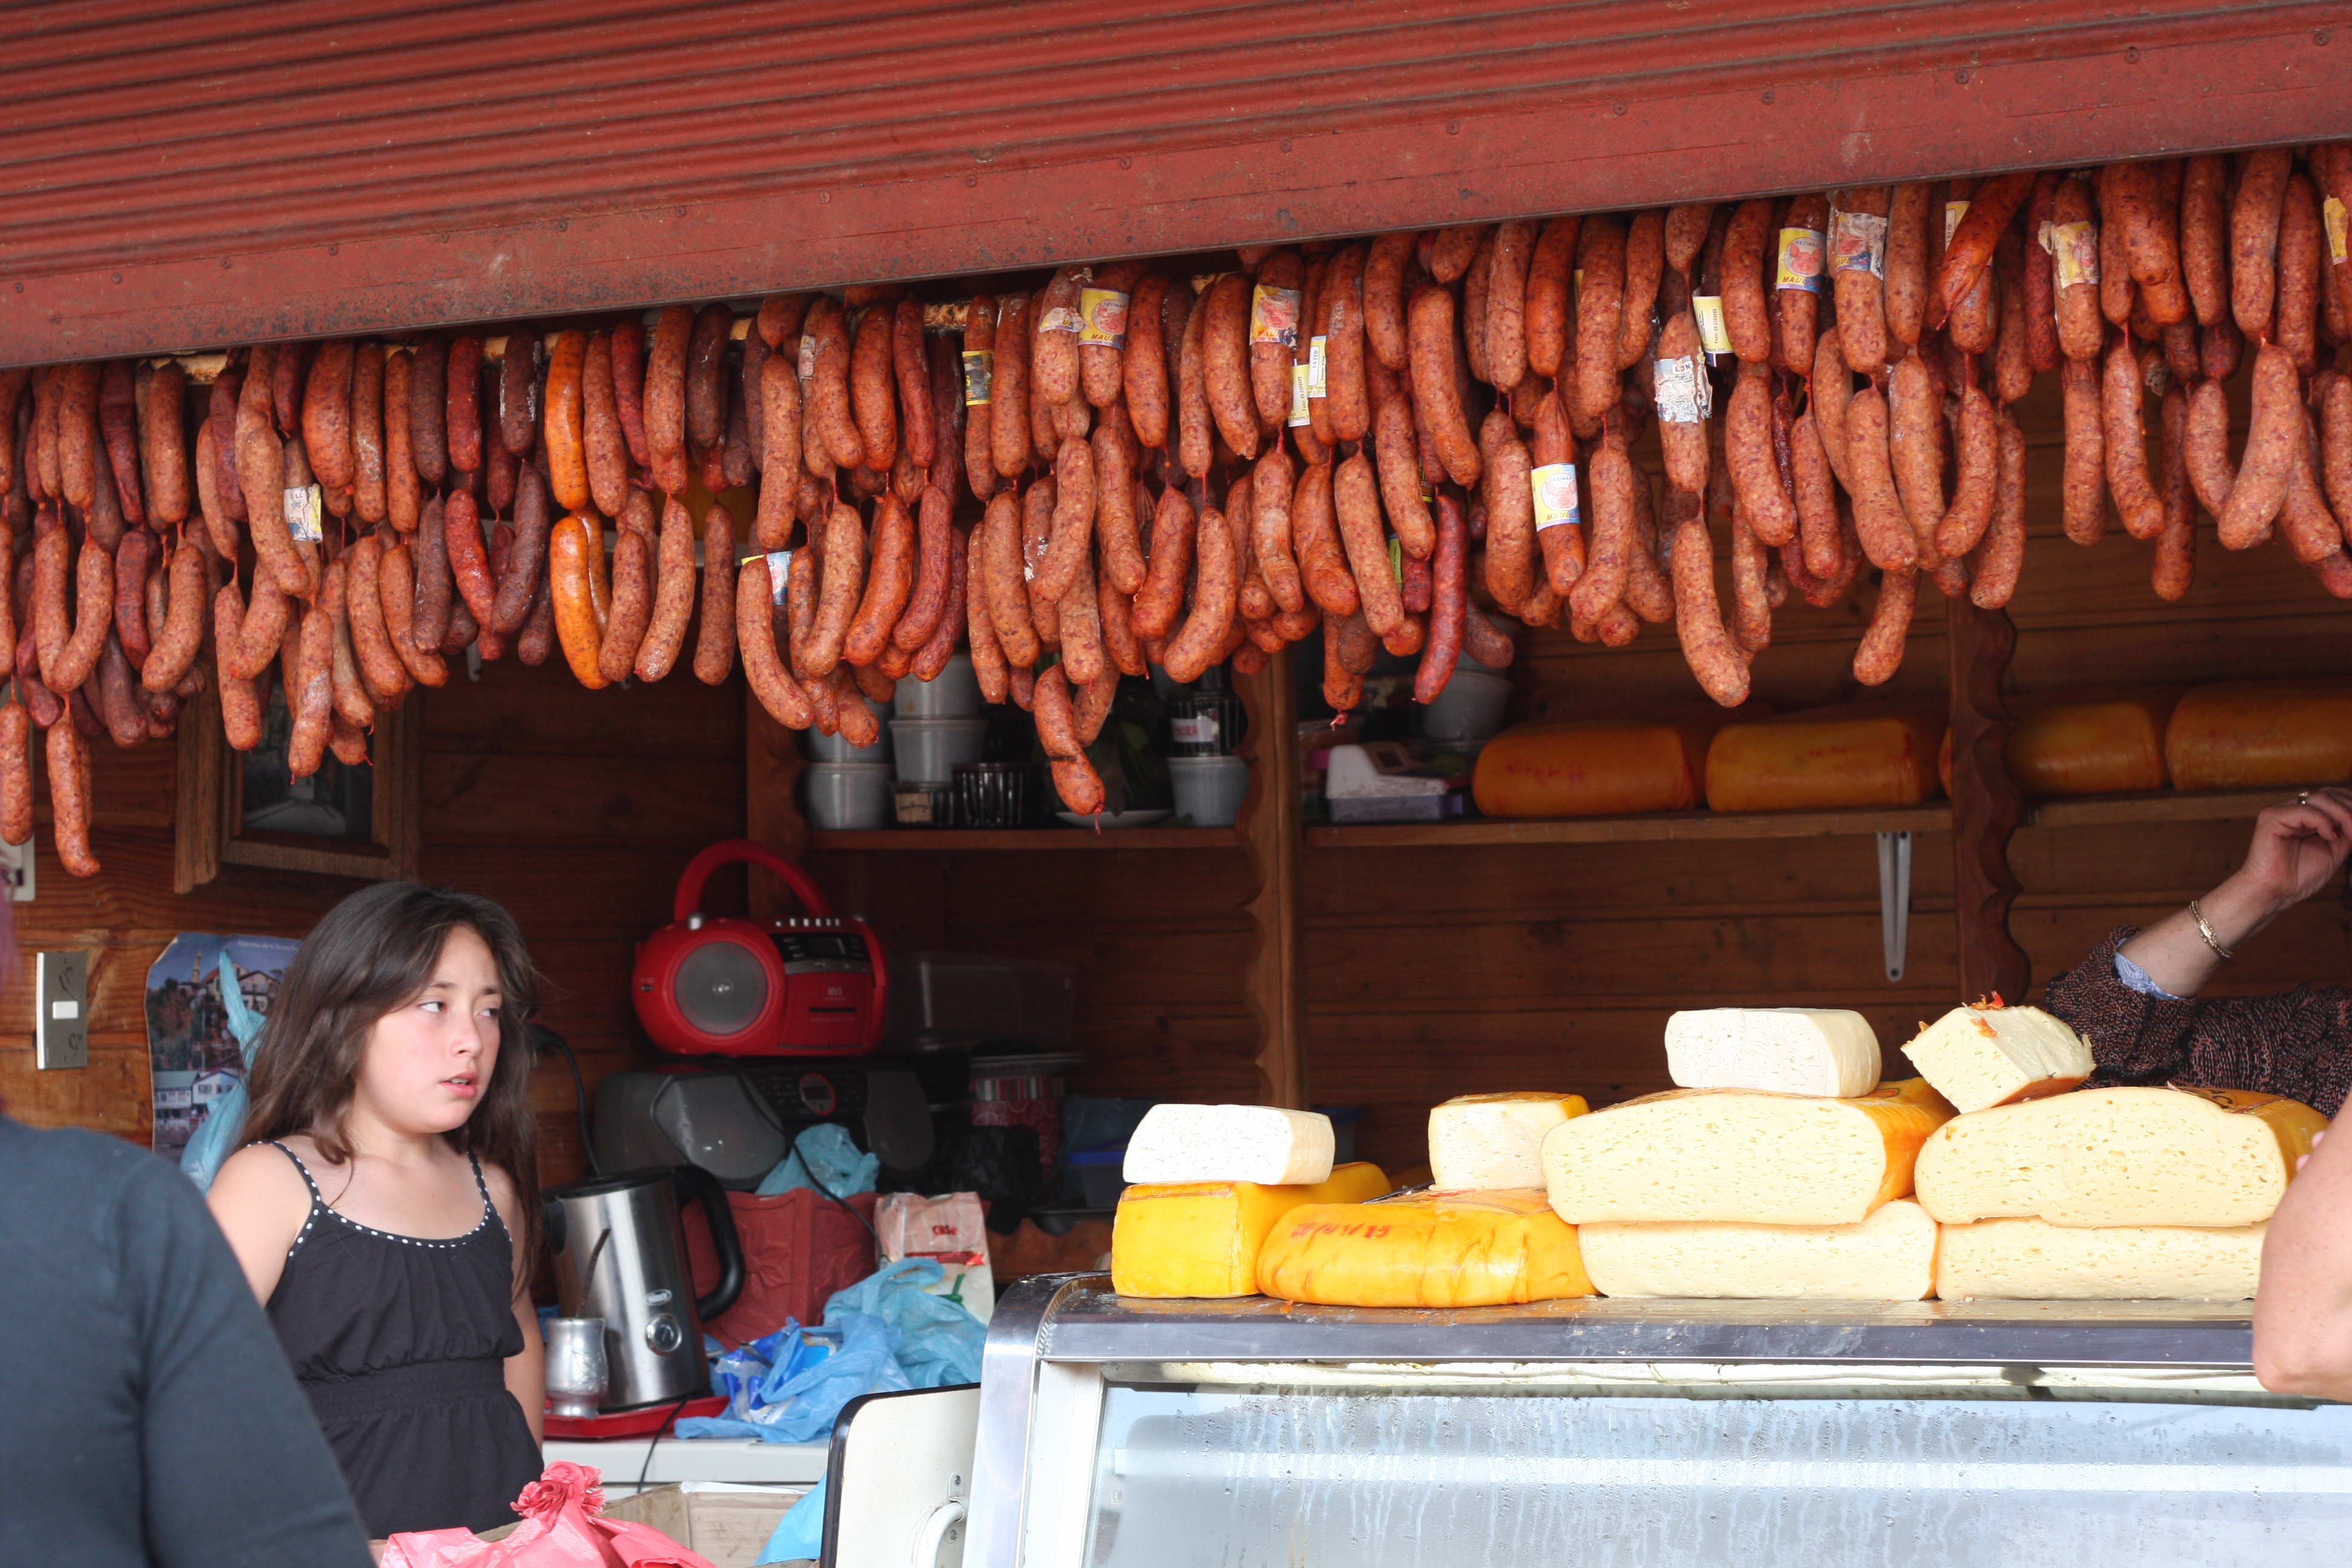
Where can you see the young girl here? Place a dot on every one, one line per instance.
(385, 1211)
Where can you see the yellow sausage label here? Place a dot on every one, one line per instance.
(1554, 487)
(1299, 394)
(1714, 336)
(1102, 317)
(2331, 214)
(979, 376)
(1800, 266)
(1273, 316)
(2074, 248)
(1953, 213)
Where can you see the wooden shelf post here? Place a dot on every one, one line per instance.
(1986, 805)
(771, 812)
(1271, 834)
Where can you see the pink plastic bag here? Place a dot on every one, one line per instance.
(562, 1526)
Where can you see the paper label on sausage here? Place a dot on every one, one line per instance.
(1102, 317)
(1273, 316)
(1954, 211)
(1677, 393)
(304, 509)
(1800, 266)
(2331, 214)
(1317, 384)
(1554, 486)
(1396, 559)
(1714, 336)
(1299, 395)
(1858, 243)
(2074, 246)
(979, 376)
(808, 357)
(779, 571)
(1060, 319)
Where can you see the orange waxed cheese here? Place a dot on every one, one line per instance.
(1593, 767)
(1480, 1249)
(2107, 741)
(1854, 754)
(1202, 1238)
(2261, 734)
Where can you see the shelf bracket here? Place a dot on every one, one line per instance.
(1894, 901)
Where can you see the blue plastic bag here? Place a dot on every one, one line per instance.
(826, 1153)
(799, 1535)
(939, 1342)
(216, 1140)
(784, 1388)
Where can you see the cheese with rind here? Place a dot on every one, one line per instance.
(1495, 1140)
(2032, 1260)
(1889, 1257)
(1202, 1238)
(2261, 734)
(1426, 1249)
(1853, 754)
(1981, 1057)
(1788, 1050)
(1260, 1143)
(1740, 1156)
(1560, 766)
(2130, 1156)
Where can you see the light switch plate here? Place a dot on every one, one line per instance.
(17, 871)
(61, 1027)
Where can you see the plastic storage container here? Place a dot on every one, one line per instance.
(833, 748)
(1469, 709)
(1203, 723)
(980, 996)
(1100, 1173)
(999, 795)
(1208, 790)
(848, 796)
(929, 750)
(954, 695)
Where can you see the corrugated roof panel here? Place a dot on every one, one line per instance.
(407, 163)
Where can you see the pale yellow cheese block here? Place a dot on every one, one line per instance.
(1262, 1144)
(1981, 1056)
(2119, 1157)
(1786, 1050)
(1479, 1141)
(1202, 1238)
(1740, 1155)
(1890, 1257)
(2031, 1260)
(1426, 1249)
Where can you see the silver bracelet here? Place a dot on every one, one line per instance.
(2198, 914)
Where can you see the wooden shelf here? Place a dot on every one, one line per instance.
(962, 840)
(1676, 825)
(2154, 805)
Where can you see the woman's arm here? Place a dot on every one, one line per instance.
(2303, 1314)
(526, 1374)
(2298, 847)
(260, 1202)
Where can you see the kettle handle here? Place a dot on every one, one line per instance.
(694, 1182)
(726, 852)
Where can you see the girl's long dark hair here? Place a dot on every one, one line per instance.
(372, 952)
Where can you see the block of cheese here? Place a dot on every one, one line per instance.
(1979, 1057)
(1790, 1050)
(1593, 767)
(1890, 1257)
(1426, 1249)
(1260, 1143)
(1856, 754)
(1740, 1156)
(2090, 740)
(1495, 1140)
(2034, 1261)
(2249, 734)
(2119, 1156)
(1202, 1238)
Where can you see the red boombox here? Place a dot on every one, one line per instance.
(812, 986)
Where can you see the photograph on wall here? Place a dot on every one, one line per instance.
(337, 802)
(192, 1052)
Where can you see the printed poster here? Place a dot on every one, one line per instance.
(193, 1056)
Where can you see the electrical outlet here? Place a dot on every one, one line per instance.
(61, 1028)
(17, 871)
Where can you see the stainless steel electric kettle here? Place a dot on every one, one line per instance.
(620, 1255)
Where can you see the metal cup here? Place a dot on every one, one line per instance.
(576, 1371)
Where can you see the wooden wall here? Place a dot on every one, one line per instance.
(575, 809)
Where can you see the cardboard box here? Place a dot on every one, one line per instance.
(721, 1520)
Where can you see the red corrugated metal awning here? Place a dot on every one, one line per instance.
(178, 177)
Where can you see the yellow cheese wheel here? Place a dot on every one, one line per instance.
(1202, 1238)
(1855, 755)
(2259, 734)
(1593, 767)
(1493, 1249)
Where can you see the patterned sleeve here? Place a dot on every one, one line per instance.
(2297, 1044)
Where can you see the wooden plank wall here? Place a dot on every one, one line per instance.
(574, 809)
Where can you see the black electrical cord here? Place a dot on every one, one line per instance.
(548, 1036)
(659, 1432)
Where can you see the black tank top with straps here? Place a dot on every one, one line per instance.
(401, 1345)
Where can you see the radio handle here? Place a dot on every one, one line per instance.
(726, 852)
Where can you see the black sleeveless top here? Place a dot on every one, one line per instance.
(400, 1344)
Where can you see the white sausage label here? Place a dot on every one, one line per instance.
(1317, 385)
(1713, 335)
(1298, 396)
(1858, 243)
(1954, 211)
(780, 571)
(1677, 393)
(808, 356)
(1554, 488)
(303, 512)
